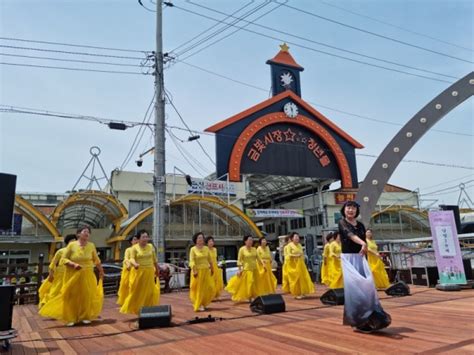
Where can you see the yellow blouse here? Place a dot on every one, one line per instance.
(144, 257)
(126, 257)
(295, 250)
(200, 259)
(85, 256)
(55, 263)
(286, 253)
(247, 258)
(264, 254)
(372, 246)
(326, 250)
(335, 249)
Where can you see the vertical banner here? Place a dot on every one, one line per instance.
(446, 246)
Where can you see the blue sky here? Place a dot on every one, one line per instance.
(48, 154)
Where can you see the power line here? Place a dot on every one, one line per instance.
(327, 45)
(233, 32)
(445, 182)
(173, 139)
(72, 69)
(70, 52)
(133, 147)
(319, 51)
(223, 29)
(374, 33)
(39, 112)
(74, 60)
(209, 28)
(394, 26)
(316, 104)
(146, 8)
(72, 45)
(185, 124)
(345, 152)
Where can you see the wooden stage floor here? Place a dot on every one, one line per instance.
(429, 321)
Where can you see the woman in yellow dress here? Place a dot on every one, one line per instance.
(243, 286)
(125, 277)
(375, 262)
(81, 296)
(217, 276)
(267, 281)
(284, 277)
(51, 287)
(299, 281)
(144, 278)
(202, 288)
(325, 276)
(335, 266)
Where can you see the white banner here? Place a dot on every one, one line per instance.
(275, 213)
(212, 187)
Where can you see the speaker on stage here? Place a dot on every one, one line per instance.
(7, 297)
(399, 289)
(156, 316)
(333, 297)
(7, 199)
(268, 304)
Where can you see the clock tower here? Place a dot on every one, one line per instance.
(285, 72)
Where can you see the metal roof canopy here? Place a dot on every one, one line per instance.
(263, 190)
(95, 208)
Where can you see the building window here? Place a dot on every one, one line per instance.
(316, 220)
(337, 217)
(270, 228)
(298, 223)
(283, 228)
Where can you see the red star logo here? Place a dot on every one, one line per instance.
(289, 135)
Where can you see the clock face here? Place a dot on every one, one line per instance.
(286, 79)
(290, 109)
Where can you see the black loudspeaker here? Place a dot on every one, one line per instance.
(399, 289)
(333, 297)
(152, 317)
(268, 304)
(457, 216)
(7, 199)
(7, 297)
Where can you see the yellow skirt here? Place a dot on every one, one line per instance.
(243, 287)
(144, 290)
(124, 286)
(325, 276)
(335, 273)
(299, 281)
(267, 282)
(218, 281)
(201, 289)
(43, 292)
(81, 297)
(285, 286)
(50, 289)
(378, 271)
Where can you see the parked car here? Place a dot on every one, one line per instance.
(231, 268)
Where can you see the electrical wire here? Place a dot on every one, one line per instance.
(316, 104)
(320, 51)
(133, 147)
(374, 33)
(146, 8)
(233, 32)
(39, 112)
(73, 69)
(70, 52)
(209, 28)
(394, 26)
(186, 125)
(327, 45)
(173, 139)
(72, 45)
(190, 156)
(73, 60)
(227, 26)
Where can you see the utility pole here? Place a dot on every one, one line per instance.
(159, 186)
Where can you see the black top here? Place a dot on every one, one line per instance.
(346, 230)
